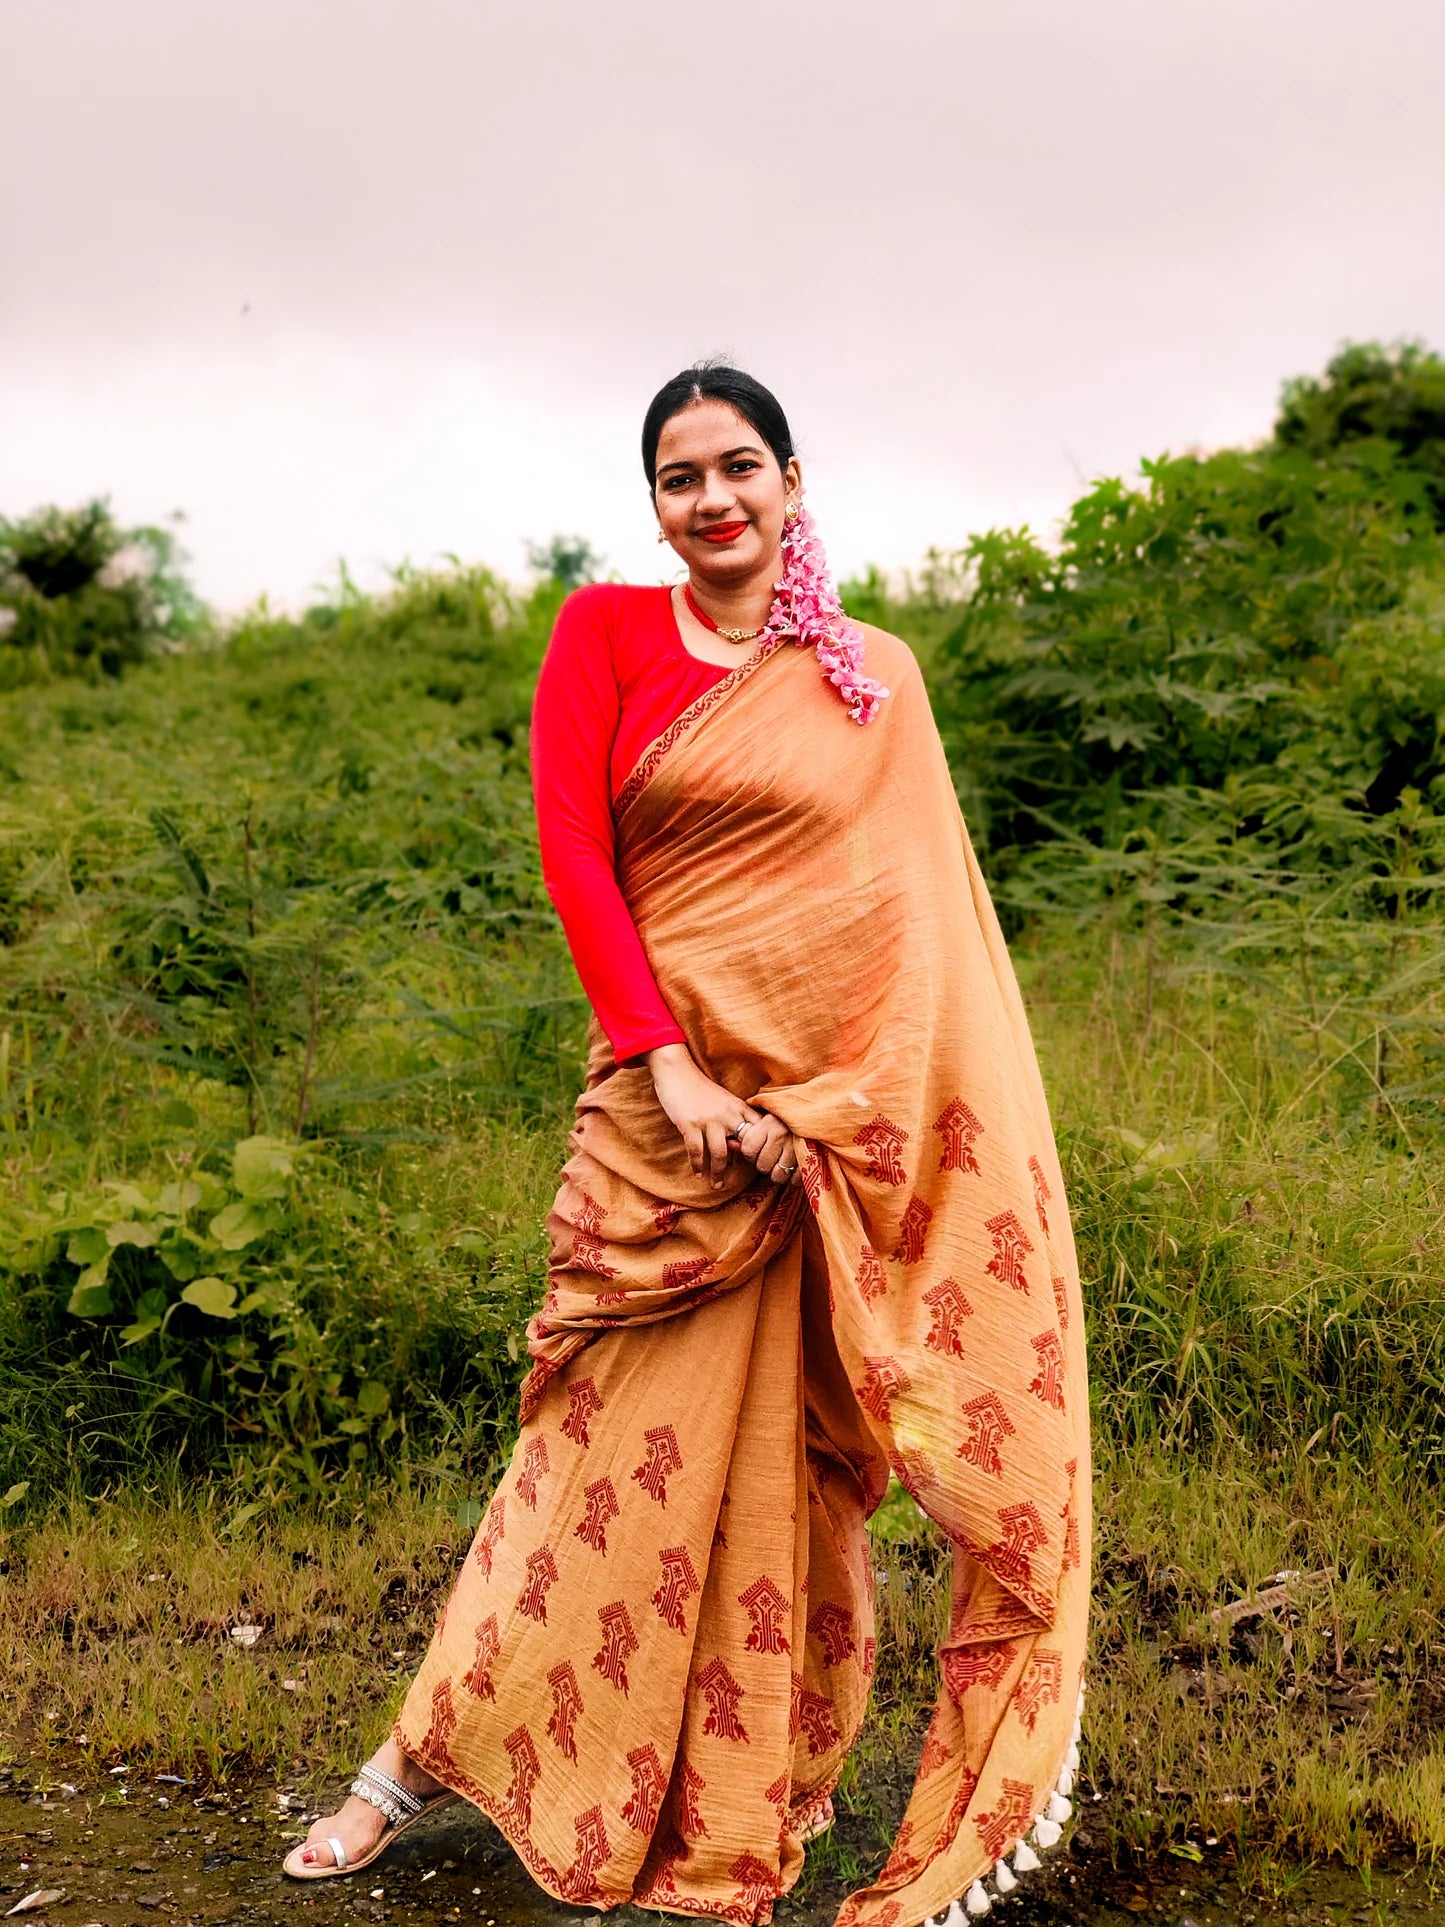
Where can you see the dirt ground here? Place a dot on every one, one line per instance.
(139, 1853)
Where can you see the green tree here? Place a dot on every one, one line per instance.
(568, 560)
(1369, 393)
(82, 596)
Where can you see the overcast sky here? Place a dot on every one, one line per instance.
(387, 278)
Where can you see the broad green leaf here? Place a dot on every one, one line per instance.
(90, 1297)
(15, 1494)
(373, 1399)
(176, 1199)
(142, 1329)
(183, 1255)
(214, 1296)
(263, 1166)
(239, 1225)
(87, 1246)
(129, 1231)
(130, 1197)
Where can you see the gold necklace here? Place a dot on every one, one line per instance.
(728, 635)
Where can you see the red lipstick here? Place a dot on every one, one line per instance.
(723, 532)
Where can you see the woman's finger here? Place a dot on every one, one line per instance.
(716, 1136)
(695, 1148)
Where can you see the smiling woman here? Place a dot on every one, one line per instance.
(811, 1233)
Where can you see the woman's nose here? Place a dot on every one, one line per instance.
(717, 492)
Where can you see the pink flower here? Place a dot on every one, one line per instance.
(806, 607)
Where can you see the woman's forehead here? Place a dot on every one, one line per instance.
(704, 428)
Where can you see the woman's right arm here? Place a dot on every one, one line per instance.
(574, 721)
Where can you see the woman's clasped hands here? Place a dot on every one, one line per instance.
(710, 1120)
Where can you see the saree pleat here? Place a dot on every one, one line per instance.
(657, 1656)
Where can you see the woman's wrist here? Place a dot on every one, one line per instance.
(665, 1056)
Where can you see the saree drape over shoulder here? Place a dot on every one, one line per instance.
(658, 1653)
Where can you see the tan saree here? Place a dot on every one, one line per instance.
(658, 1653)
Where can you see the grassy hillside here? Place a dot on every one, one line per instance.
(289, 1039)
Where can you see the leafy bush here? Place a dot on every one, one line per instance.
(80, 596)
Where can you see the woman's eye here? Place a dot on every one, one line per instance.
(743, 466)
(676, 481)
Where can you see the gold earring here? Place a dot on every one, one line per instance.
(662, 535)
(791, 512)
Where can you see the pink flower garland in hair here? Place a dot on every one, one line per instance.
(806, 607)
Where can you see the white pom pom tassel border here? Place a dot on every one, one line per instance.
(1047, 1831)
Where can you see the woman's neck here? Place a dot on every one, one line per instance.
(745, 604)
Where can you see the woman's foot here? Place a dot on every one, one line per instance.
(357, 1824)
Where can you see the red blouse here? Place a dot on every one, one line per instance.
(614, 676)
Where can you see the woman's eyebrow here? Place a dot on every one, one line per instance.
(726, 456)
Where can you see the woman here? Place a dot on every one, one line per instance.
(812, 1228)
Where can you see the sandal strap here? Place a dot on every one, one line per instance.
(338, 1852)
(389, 1796)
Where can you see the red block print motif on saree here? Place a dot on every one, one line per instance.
(662, 1459)
(958, 1127)
(758, 1882)
(587, 1241)
(949, 1307)
(869, 1280)
(619, 1643)
(1042, 1194)
(723, 1694)
(965, 1667)
(491, 1534)
(1010, 1819)
(534, 1464)
(1049, 1385)
(1061, 1302)
(1009, 1559)
(434, 1746)
(649, 1783)
(1010, 1248)
(566, 1705)
(832, 1626)
(690, 1787)
(1042, 1684)
(816, 1175)
(687, 1271)
(882, 1139)
(913, 1233)
(541, 1575)
(601, 1508)
(765, 1604)
(584, 1402)
(478, 1681)
(593, 1849)
(678, 1584)
(1071, 1522)
(884, 1379)
(813, 1718)
(935, 1754)
(526, 1770)
(988, 1424)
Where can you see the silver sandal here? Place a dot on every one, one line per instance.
(402, 1809)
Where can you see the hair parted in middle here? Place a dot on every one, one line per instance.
(716, 380)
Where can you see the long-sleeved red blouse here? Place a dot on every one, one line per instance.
(615, 675)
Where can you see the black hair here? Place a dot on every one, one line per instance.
(716, 381)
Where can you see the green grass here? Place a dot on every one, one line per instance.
(286, 1024)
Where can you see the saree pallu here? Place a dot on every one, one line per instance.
(657, 1655)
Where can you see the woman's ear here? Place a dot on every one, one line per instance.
(793, 475)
